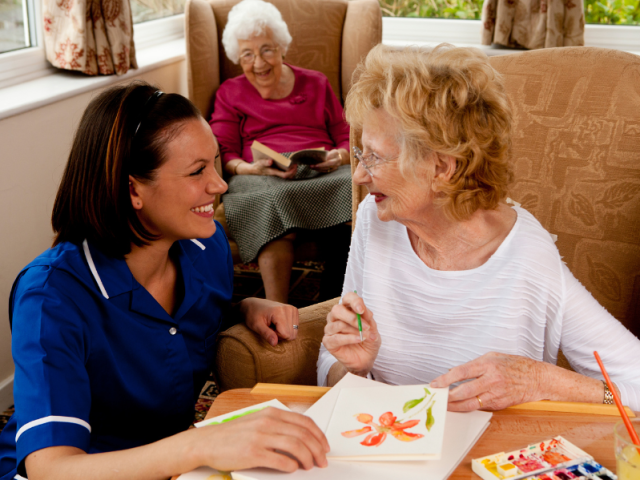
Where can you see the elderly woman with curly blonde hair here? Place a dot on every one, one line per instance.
(463, 287)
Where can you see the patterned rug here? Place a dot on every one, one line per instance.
(304, 291)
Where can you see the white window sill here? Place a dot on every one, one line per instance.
(158, 43)
(60, 85)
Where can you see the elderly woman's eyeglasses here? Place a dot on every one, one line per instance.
(369, 162)
(266, 53)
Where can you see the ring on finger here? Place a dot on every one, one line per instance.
(295, 327)
(479, 401)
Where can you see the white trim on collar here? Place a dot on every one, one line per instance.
(52, 418)
(92, 267)
(199, 243)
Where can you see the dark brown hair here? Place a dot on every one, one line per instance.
(123, 131)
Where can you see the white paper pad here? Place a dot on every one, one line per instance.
(461, 433)
(204, 473)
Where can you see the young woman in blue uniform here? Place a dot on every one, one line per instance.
(114, 327)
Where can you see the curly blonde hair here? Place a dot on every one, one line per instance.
(450, 101)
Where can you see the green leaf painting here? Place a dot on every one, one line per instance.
(430, 420)
(248, 412)
(428, 401)
(412, 403)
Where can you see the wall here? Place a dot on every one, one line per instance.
(33, 151)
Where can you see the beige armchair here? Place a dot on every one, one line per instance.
(576, 155)
(330, 36)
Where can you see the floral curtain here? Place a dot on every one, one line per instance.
(533, 23)
(90, 36)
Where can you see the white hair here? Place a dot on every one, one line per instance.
(253, 17)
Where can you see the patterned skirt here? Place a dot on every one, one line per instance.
(260, 209)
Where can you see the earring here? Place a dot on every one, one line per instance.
(138, 204)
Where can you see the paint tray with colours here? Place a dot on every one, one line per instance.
(589, 470)
(536, 461)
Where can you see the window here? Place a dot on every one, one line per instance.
(460, 9)
(16, 29)
(145, 10)
(609, 12)
(612, 12)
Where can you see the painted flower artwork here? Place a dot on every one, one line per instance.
(390, 425)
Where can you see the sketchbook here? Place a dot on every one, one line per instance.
(283, 161)
(227, 417)
(462, 431)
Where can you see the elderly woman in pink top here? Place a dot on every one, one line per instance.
(287, 108)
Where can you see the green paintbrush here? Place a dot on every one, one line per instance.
(359, 321)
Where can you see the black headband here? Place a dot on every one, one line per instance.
(151, 101)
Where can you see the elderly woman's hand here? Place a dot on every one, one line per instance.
(261, 314)
(342, 338)
(333, 161)
(263, 167)
(497, 381)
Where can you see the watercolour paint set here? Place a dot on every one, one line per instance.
(555, 459)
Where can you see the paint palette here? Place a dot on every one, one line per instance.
(555, 459)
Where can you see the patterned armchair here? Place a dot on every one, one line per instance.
(330, 36)
(576, 154)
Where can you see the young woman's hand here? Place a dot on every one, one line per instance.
(342, 337)
(269, 438)
(260, 315)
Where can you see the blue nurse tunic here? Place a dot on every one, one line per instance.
(100, 365)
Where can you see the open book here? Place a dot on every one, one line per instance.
(283, 161)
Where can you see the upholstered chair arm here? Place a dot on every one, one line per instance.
(244, 359)
(203, 64)
(362, 31)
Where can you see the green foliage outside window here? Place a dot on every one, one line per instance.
(611, 12)
(461, 9)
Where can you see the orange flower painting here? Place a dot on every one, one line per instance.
(388, 425)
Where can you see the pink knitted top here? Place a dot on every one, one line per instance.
(310, 117)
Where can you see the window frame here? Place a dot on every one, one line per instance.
(26, 64)
(432, 31)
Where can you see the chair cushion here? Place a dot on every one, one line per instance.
(576, 155)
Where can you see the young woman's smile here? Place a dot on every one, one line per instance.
(178, 204)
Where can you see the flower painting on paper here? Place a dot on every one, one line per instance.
(390, 425)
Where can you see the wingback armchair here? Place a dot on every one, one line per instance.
(330, 36)
(576, 156)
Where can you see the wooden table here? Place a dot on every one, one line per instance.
(510, 429)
